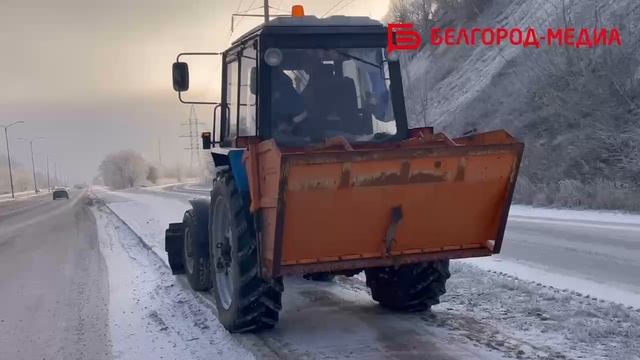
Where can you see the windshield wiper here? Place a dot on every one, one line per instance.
(378, 66)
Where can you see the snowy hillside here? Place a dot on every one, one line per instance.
(576, 109)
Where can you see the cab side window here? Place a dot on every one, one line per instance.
(247, 101)
(231, 90)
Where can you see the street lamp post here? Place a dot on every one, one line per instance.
(33, 164)
(48, 177)
(6, 137)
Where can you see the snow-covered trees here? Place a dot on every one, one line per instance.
(576, 109)
(123, 169)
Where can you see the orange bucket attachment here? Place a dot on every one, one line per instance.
(349, 208)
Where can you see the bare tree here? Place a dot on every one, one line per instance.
(123, 169)
(152, 174)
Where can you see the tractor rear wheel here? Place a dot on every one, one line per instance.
(196, 251)
(244, 300)
(414, 287)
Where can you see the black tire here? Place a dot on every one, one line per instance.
(245, 301)
(196, 251)
(321, 276)
(173, 239)
(414, 287)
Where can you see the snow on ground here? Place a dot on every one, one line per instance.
(577, 216)
(169, 183)
(539, 274)
(588, 252)
(490, 310)
(198, 187)
(148, 215)
(503, 311)
(153, 314)
(21, 195)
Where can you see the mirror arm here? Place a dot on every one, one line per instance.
(196, 102)
(195, 53)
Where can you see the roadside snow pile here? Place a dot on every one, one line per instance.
(577, 215)
(21, 195)
(537, 273)
(153, 314)
(198, 187)
(485, 306)
(149, 216)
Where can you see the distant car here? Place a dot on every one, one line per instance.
(60, 193)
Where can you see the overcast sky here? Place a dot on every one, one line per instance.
(94, 76)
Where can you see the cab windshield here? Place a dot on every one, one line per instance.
(317, 94)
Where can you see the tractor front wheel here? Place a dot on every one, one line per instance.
(196, 250)
(414, 287)
(244, 300)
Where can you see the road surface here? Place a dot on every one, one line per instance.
(601, 251)
(52, 280)
(586, 252)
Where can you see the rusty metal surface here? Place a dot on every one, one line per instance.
(377, 262)
(406, 153)
(264, 181)
(497, 245)
(334, 206)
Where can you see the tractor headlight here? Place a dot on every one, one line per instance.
(273, 56)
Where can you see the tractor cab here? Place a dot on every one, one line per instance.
(302, 80)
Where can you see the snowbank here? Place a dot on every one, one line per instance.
(152, 315)
(148, 216)
(593, 216)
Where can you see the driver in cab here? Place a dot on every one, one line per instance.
(327, 106)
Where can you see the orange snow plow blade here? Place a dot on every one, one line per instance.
(347, 208)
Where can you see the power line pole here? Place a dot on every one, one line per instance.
(6, 137)
(192, 133)
(159, 153)
(33, 164)
(266, 15)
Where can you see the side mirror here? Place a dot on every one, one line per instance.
(253, 81)
(206, 140)
(180, 72)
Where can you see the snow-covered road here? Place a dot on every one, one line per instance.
(590, 252)
(485, 315)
